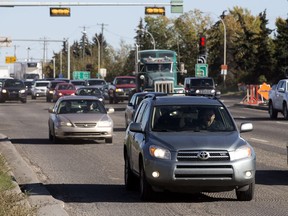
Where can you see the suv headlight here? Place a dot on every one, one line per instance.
(159, 152)
(240, 153)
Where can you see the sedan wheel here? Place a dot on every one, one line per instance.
(246, 195)
(55, 139)
(146, 191)
(50, 135)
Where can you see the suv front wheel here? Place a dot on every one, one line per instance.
(246, 195)
(146, 191)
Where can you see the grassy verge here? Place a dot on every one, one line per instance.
(11, 202)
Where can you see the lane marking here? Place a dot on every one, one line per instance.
(259, 140)
(282, 122)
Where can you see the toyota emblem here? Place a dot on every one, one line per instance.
(203, 155)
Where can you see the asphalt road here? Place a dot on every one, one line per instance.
(86, 178)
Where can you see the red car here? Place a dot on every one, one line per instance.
(63, 89)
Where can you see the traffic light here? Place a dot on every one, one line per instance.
(155, 11)
(60, 12)
(202, 45)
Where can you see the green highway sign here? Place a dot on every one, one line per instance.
(176, 6)
(81, 75)
(201, 70)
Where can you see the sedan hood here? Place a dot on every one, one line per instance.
(85, 117)
(197, 140)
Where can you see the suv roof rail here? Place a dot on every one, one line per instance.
(150, 95)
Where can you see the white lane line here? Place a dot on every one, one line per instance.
(260, 140)
(282, 122)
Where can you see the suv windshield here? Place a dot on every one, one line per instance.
(14, 83)
(192, 118)
(201, 82)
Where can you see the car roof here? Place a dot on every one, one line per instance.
(186, 100)
(78, 97)
(145, 93)
(89, 87)
(41, 81)
(125, 77)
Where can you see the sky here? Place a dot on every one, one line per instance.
(28, 26)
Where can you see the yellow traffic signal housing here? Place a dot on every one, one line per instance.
(155, 11)
(59, 11)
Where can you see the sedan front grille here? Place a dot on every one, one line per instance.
(85, 125)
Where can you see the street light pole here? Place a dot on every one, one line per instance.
(224, 70)
(225, 46)
(153, 40)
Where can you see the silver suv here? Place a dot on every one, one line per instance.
(188, 144)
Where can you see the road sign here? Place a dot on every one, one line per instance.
(201, 70)
(201, 59)
(224, 69)
(10, 59)
(264, 90)
(177, 6)
(81, 75)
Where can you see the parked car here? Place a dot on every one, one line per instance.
(63, 89)
(201, 86)
(91, 91)
(13, 90)
(39, 89)
(77, 83)
(167, 148)
(50, 89)
(80, 117)
(134, 102)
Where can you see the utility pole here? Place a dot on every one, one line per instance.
(102, 33)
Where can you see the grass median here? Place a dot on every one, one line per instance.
(12, 202)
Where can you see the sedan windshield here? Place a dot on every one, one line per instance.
(191, 118)
(80, 106)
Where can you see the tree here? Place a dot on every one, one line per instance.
(281, 50)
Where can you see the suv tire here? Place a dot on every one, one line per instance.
(146, 191)
(246, 195)
(129, 177)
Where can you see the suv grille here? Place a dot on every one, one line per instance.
(205, 170)
(194, 156)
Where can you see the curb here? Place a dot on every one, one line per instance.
(260, 107)
(23, 176)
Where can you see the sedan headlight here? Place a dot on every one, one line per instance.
(4, 91)
(240, 153)
(22, 91)
(104, 124)
(61, 123)
(159, 152)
